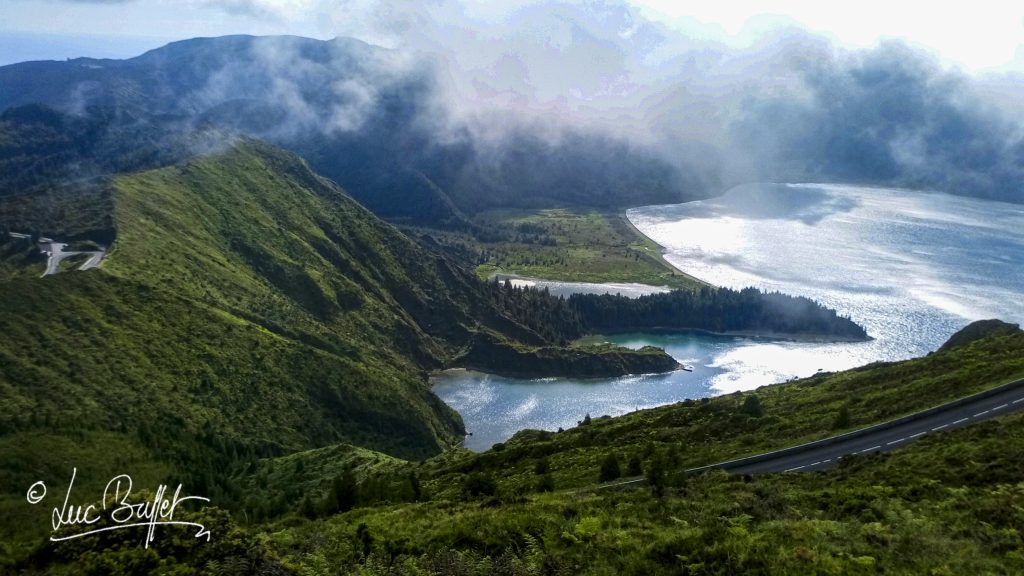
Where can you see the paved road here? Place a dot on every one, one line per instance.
(879, 438)
(93, 260)
(56, 253)
(887, 436)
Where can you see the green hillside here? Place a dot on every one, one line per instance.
(248, 308)
(949, 503)
(259, 336)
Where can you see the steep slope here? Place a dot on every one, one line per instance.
(248, 308)
(254, 232)
(949, 502)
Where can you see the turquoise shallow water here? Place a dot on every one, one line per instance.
(911, 267)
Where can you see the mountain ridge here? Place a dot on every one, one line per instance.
(362, 115)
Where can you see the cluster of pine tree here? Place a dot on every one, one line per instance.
(713, 309)
(708, 308)
(346, 493)
(552, 317)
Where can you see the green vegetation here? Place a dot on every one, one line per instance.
(260, 337)
(490, 354)
(978, 330)
(247, 309)
(68, 213)
(563, 244)
(19, 257)
(707, 308)
(73, 262)
(716, 310)
(698, 432)
(949, 503)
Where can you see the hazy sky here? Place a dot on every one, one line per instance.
(979, 35)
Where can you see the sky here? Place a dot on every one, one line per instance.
(979, 36)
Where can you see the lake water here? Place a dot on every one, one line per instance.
(911, 267)
(568, 288)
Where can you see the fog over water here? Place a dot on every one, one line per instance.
(912, 267)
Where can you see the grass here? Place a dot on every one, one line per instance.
(73, 263)
(253, 324)
(950, 503)
(569, 245)
(716, 429)
(248, 309)
(947, 504)
(20, 258)
(67, 213)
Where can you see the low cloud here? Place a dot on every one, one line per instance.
(791, 106)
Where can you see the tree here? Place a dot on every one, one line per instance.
(546, 483)
(343, 494)
(414, 484)
(656, 475)
(365, 538)
(610, 469)
(635, 466)
(543, 466)
(752, 406)
(307, 509)
(480, 484)
(842, 418)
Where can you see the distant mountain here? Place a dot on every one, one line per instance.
(359, 114)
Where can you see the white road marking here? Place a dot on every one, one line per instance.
(1001, 406)
(1017, 400)
(895, 442)
(982, 413)
(916, 435)
(961, 420)
(795, 469)
(870, 449)
(939, 427)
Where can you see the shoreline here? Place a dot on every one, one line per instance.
(775, 336)
(661, 249)
(596, 379)
(502, 276)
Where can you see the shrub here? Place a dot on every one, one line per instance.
(610, 469)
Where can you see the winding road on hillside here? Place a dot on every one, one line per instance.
(882, 437)
(56, 253)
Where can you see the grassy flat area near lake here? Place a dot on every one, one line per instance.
(569, 245)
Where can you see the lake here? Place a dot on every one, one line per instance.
(911, 267)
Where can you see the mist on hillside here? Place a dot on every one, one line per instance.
(471, 107)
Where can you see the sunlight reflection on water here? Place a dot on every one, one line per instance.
(911, 267)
